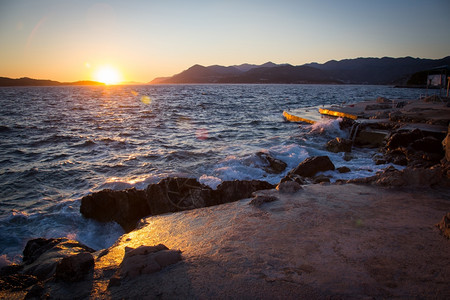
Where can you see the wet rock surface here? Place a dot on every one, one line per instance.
(312, 165)
(171, 194)
(125, 207)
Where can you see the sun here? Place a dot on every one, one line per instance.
(108, 75)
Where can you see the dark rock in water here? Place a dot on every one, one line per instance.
(370, 138)
(124, 207)
(41, 256)
(177, 194)
(230, 191)
(444, 225)
(312, 165)
(276, 166)
(343, 169)
(403, 139)
(144, 260)
(346, 123)
(261, 199)
(321, 179)
(74, 268)
(339, 145)
(428, 144)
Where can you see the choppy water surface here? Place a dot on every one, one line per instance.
(61, 143)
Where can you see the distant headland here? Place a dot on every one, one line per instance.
(25, 81)
(406, 71)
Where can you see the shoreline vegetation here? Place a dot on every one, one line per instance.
(384, 236)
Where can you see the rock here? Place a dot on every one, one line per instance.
(321, 179)
(144, 260)
(275, 166)
(37, 292)
(229, 191)
(177, 194)
(347, 156)
(383, 100)
(378, 106)
(370, 138)
(339, 145)
(312, 165)
(17, 282)
(403, 139)
(124, 207)
(428, 144)
(41, 256)
(74, 268)
(444, 225)
(446, 144)
(288, 187)
(343, 169)
(261, 199)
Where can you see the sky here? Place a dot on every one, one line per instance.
(68, 40)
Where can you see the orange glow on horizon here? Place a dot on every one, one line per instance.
(108, 75)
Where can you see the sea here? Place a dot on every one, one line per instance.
(58, 144)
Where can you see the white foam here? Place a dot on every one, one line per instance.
(210, 181)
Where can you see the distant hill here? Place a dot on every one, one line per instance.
(25, 81)
(386, 71)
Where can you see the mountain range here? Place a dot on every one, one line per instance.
(25, 81)
(385, 71)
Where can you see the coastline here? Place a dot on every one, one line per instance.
(355, 241)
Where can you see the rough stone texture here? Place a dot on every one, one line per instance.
(446, 144)
(428, 144)
(414, 177)
(444, 225)
(144, 260)
(74, 268)
(288, 187)
(370, 138)
(41, 256)
(339, 145)
(177, 194)
(275, 166)
(261, 199)
(124, 207)
(312, 165)
(17, 282)
(230, 191)
(343, 169)
(403, 139)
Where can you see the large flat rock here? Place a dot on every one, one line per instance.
(348, 241)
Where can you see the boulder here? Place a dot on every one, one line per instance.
(74, 268)
(230, 191)
(403, 139)
(177, 194)
(275, 166)
(144, 260)
(339, 145)
(125, 207)
(370, 138)
(343, 169)
(261, 199)
(444, 225)
(41, 256)
(288, 187)
(428, 144)
(312, 165)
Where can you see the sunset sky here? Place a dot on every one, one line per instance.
(140, 40)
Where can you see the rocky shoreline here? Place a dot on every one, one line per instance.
(58, 267)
